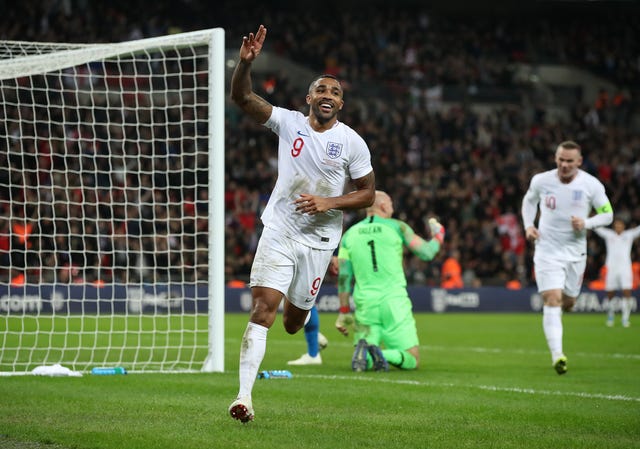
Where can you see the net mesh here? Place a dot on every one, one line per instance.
(103, 204)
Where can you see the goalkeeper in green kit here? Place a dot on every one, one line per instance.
(370, 257)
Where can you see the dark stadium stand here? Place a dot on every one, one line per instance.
(454, 130)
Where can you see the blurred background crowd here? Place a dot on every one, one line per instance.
(455, 126)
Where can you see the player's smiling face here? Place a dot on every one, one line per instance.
(568, 161)
(325, 99)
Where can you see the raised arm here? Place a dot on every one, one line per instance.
(635, 232)
(602, 232)
(425, 249)
(242, 92)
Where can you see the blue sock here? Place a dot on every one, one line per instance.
(311, 332)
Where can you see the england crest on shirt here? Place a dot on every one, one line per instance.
(334, 150)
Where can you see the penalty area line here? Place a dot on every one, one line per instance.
(528, 391)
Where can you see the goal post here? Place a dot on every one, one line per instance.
(214, 361)
(112, 204)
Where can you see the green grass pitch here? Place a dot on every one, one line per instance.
(485, 381)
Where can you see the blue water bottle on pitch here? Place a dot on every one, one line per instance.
(108, 371)
(275, 374)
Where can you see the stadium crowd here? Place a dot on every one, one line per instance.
(467, 167)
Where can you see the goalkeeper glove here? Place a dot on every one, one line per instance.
(437, 230)
(344, 321)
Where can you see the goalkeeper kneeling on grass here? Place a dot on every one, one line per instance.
(370, 261)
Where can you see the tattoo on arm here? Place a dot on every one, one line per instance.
(363, 196)
(259, 109)
(243, 95)
(367, 182)
(256, 107)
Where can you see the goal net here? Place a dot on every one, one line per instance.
(111, 204)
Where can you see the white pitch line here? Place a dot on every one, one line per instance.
(480, 350)
(530, 391)
(612, 355)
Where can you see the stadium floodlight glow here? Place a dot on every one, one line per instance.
(112, 204)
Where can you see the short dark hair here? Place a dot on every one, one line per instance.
(326, 75)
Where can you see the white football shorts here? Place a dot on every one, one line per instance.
(552, 274)
(618, 278)
(290, 267)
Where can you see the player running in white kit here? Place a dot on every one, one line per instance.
(565, 196)
(317, 156)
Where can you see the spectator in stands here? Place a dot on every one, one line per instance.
(451, 271)
(5, 245)
(600, 282)
(406, 129)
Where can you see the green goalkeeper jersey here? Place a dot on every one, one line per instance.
(371, 254)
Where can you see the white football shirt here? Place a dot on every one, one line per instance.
(317, 163)
(558, 202)
(618, 247)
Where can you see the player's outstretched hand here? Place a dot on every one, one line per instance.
(344, 322)
(252, 45)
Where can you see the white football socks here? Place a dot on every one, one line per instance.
(625, 308)
(252, 350)
(552, 325)
(609, 307)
